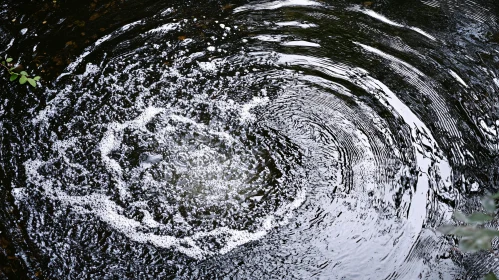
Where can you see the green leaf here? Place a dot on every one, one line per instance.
(23, 80)
(495, 196)
(3, 62)
(480, 240)
(475, 218)
(458, 231)
(475, 242)
(13, 77)
(9, 59)
(460, 216)
(24, 73)
(446, 229)
(37, 78)
(473, 239)
(490, 276)
(489, 204)
(32, 82)
(479, 218)
(467, 231)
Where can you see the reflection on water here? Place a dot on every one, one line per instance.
(285, 139)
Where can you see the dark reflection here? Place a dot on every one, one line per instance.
(287, 139)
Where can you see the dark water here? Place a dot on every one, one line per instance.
(247, 140)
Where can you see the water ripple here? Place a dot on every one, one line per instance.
(270, 141)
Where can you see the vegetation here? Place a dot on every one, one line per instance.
(15, 73)
(474, 236)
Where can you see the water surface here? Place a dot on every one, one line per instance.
(286, 139)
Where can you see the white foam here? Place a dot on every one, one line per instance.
(269, 38)
(208, 66)
(105, 209)
(108, 211)
(112, 139)
(246, 115)
(496, 81)
(52, 107)
(474, 187)
(91, 69)
(164, 28)
(19, 193)
(150, 161)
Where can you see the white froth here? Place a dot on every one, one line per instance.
(52, 107)
(91, 69)
(150, 161)
(475, 187)
(164, 28)
(108, 211)
(224, 135)
(496, 81)
(19, 193)
(112, 140)
(269, 38)
(246, 115)
(166, 12)
(148, 220)
(208, 66)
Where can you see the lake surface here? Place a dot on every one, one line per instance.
(285, 139)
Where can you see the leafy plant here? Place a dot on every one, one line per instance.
(474, 236)
(490, 276)
(22, 75)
